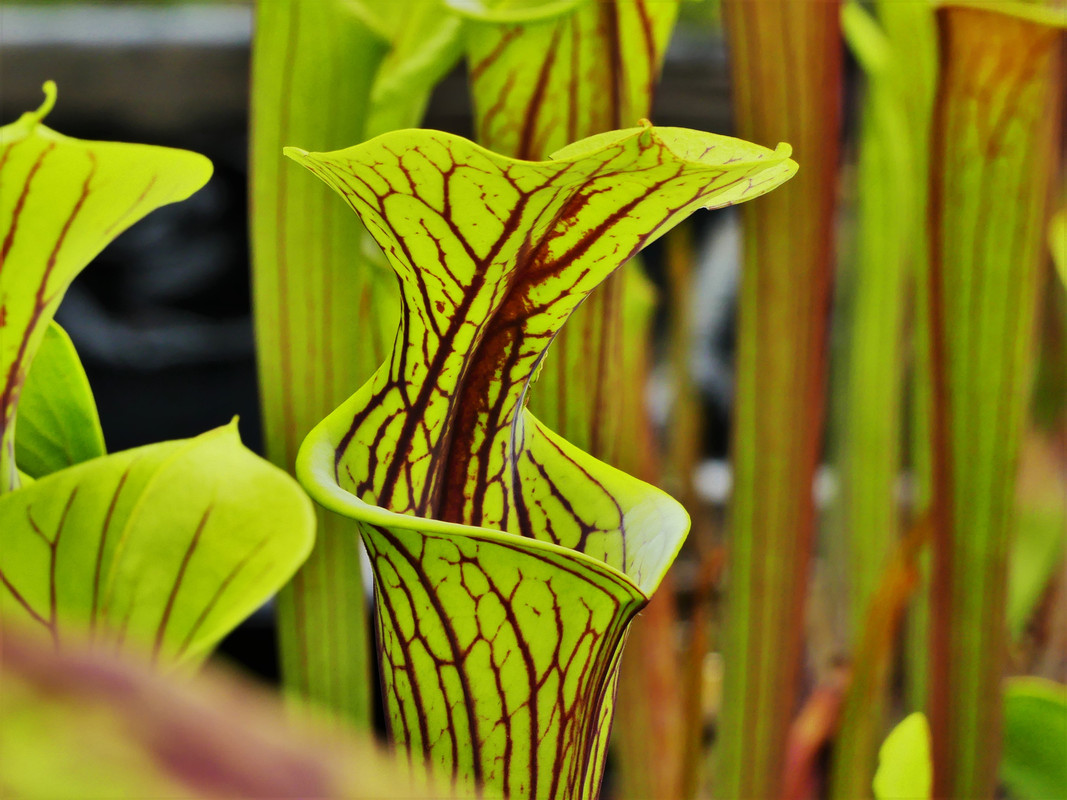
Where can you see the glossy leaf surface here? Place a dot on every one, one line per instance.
(165, 547)
(61, 201)
(58, 425)
(508, 563)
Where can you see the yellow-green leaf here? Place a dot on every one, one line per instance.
(904, 768)
(1033, 766)
(61, 201)
(1058, 243)
(58, 425)
(164, 548)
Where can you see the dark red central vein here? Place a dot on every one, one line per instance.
(16, 373)
(497, 354)
(25, 603)
(97, 570)
(212, 602)
(21, 202)
(440, 359)
(169, 608)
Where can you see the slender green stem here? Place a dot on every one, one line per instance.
(312, 72)
(786, 70)
(899, 57)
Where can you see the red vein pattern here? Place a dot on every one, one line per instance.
(61, 201)
(536, 87)
(508, 563)
(144, 548)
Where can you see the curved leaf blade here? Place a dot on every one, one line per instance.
(166, 547)
(1035, 730)
(1058, 243)
(905, 771)
(58, 425)
(61, 201)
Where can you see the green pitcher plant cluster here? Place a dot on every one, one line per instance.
(508, 563)
(162, 549)
(456, 376)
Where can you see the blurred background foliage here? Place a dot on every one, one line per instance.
(163, 322)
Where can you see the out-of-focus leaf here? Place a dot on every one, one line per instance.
(58, 425)
(786, 77)
(1032, 766)
(992, 163)
(424, 39)
(515, 11)
(88, 725)
(1034, 762)
(1041, 532)
(905, 771)
(1058, 243)
(165, 547)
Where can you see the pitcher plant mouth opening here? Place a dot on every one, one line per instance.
(507, 562)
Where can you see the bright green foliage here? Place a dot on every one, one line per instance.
(327, 73)
(1033, 766)
(58, 425)
(999, 100)
(904, 768)
(508, 563)
(61, 201)
(165, 547)
(423, 43)
(1058, 243)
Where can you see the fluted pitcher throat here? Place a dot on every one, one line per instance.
(508, 563)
